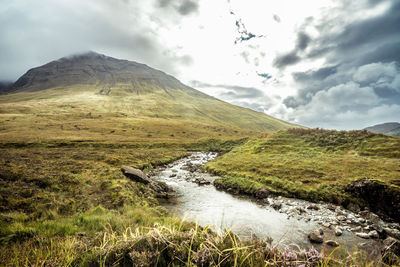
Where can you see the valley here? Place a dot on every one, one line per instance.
(67, 128)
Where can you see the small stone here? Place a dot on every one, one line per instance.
(353, 207)
(338, 231)
(341, 218)
(315, 237)
(313, 207)
(363, 235)
(332, 243)
(373, 234)
(331, 207)
(327, 225)
(300, 209)
(361, 220)
(276, 205)
(356, 229)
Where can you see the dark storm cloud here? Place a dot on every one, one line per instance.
(302, 41)
(361, 75)
(34, 34)
(188, 7)
(364, 41)
(290, 58)
(183, 7)
(287, 59)
(234, 91)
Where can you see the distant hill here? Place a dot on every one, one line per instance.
(389, 128)
(95, 96)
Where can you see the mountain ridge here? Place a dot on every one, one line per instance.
(389, 128)
(91, 68)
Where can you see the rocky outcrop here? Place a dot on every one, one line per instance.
(135, 175)
(381, 198)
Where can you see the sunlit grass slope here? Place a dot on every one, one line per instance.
(80, 112)
(310, 163)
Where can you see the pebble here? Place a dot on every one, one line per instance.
(363, 235)
(332, 243)
(373, 234)
(338, 231)
(327, 225)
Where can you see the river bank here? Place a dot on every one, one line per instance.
(289, 222)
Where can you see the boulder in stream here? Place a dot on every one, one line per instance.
(316, 236)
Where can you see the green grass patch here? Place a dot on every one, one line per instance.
(311, 164)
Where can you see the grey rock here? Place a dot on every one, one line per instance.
(373, 234)
(201, 181)
(331, 207)
(276, 205)
(392, 232)
(341, 218)
(135, 175)
(327, 225)
(356, 229)
(315, 237)
(313, 207)
(353, 207)
(363, 235)
(332, 243)
(338, 231)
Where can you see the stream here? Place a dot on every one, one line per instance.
(288, 224)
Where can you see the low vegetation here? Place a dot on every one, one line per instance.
(312, 164)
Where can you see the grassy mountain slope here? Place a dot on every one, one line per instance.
(311, 164)
(101, 98)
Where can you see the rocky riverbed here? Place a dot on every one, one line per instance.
(288, 221)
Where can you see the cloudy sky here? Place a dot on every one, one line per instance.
(319, 63)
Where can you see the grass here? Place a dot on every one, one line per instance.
(78, 112)
(65, 202)
(175, 243)
(311, 164)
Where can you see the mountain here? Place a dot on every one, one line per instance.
(98, 70)
(96, 97)
(389, 128)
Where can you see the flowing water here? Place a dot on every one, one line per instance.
(206, 205)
